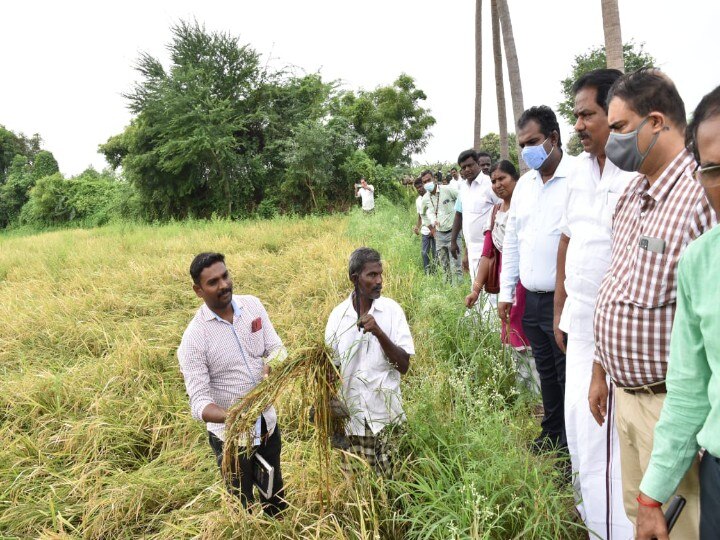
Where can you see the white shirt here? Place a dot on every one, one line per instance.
(370, 383)
(455, 183)
(476, 201)
(424, 220)
(221, 361)
(587, 220)
(532, 233)
(367, 195)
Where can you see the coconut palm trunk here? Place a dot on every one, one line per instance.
(516, 93)
(478, 73)
(499, 84)
(613, 36)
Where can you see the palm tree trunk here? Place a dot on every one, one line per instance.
(499, 84)
(516, 93)
(613, 37)
(478, 73)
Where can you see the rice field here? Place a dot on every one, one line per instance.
(96, 438)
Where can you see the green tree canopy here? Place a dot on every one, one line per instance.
(635, 58)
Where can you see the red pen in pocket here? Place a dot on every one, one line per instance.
(256, 325)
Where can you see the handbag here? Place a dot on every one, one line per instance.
(492, 283)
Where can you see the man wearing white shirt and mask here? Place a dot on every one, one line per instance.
(371, 343)
(474, 204)
(583, 258)
(530, 248)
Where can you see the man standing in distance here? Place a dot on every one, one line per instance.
(455, 178)
(582, 260)
(659, 214)
(366, 193)
(223, 356)
(530, 249)
(439, 204)
(422, 227)
(371, 343)
(485, 162)
(474, 204)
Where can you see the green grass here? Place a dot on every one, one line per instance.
(96, 439)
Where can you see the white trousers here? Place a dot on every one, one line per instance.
(594, 450)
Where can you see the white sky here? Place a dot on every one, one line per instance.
(65, 64)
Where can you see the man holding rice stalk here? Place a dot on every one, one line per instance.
(223, 356)
(371, 343)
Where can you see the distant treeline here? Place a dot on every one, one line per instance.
(220, 133)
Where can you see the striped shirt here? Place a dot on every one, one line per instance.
(222, 362)
(636, 302)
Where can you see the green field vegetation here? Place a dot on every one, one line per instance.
(96, 439)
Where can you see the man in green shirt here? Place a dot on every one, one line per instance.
(440, 210)
(690, 417)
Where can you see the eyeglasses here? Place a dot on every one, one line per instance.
(708, 176)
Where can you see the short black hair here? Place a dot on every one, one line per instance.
(359, 258)
(418, 181)
(467, 154)
(203, 261)
(545, 118)
(453, 169)
(483, 154)
(708, 107)
(599, 79)
(507, 167)
(426, 171)
(647, 90)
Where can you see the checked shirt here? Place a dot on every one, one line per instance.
(636, 303)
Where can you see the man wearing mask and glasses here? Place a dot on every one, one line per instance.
(662, 210)
(530, 247)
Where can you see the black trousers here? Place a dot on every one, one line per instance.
(242, 487)
(550, 362)
(709, 497)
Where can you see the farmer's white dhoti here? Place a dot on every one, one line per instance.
(593, 450)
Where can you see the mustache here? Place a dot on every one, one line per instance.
(583, 135)
(225, 291)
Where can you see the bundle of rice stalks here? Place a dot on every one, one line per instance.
(312, 366)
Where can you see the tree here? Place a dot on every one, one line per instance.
(635, 58)
(478, 73)
(22, 175)
(490, 143)
(513, 66)
(613, 35)
(499, 83)
(390, 122)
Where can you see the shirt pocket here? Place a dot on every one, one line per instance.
(256, 343)
(653, 279)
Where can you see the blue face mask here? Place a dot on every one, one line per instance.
(535, 156)
(429, 187)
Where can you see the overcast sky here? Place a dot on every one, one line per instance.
(65, 64)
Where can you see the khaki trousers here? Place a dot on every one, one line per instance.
(636, 416)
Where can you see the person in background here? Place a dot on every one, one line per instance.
(223, 355)
(504, 178)
(455, 178)
(662, 210)
(583, 258)
(690, 417)
(530, 249)
(422, 227)
(371, 346)
(474, 204)
(440, 210)
(366, 193)
(446, 180)
(484, 162)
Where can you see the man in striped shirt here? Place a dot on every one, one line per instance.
(223, 356)
(661, 211)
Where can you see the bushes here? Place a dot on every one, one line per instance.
(89, 199)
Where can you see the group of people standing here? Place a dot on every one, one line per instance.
(586, 250)
(603, 266)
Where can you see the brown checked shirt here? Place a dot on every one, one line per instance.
(636, 302)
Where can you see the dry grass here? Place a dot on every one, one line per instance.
(96, 439)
